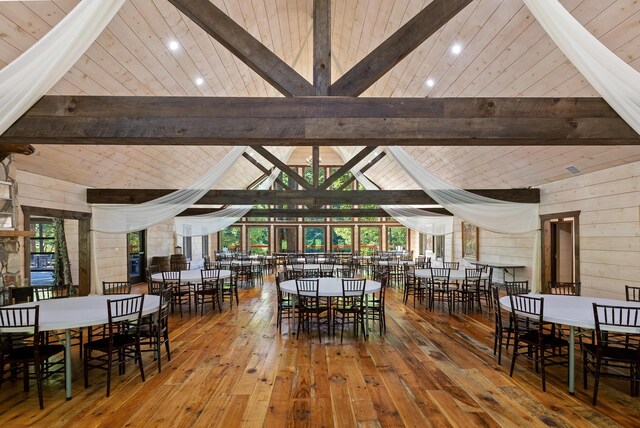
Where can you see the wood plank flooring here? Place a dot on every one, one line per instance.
(234, 369)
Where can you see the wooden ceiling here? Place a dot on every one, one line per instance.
(505, 53)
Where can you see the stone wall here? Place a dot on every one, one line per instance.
(10, 259)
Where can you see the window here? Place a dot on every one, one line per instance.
(308, 176)
(286, 239)
(42, 248)
(336, 185)
(258, 240)
(341, 239)
(229, 239)
(205, 245)
(314, 239)
(396, 238)
(369, 240)
(368, 206)
(186, 247)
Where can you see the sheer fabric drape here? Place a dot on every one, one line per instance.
(33, 74)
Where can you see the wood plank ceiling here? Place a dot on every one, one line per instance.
(504, 53)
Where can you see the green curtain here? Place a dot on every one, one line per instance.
(62, 272)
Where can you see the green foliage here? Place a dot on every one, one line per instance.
(369, 240)
(341, 239)
(259, 240)
(314, 239)
(397, 236)
(230, 238)
(62, 265)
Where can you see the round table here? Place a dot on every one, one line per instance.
(245, 262)
(454, 275)
(401, 262)
(305, 266)
(329, 287)
(77, 312)
(194, 275)
(572, 311)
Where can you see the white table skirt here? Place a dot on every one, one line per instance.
(330, 287)
(192, 275)
(455, 275)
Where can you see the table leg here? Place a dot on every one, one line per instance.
(572, 340)
(67, 362)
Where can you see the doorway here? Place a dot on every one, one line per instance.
(286, 239)
(560, 248)
(136, 243)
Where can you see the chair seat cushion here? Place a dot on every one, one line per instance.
(617, 353)
(119, 341)
(549, 340)
(28, 353)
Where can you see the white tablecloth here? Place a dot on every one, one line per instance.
(330, 287)
(192, 275)
(455, 275)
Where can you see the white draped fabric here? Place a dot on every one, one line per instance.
(411, 217)
(615, 80)
(33, 74)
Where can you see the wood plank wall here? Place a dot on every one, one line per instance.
(609, 205)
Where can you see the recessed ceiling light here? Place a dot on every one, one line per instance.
(430, 83)
(199, 81)
(456, 49)
(173, 45)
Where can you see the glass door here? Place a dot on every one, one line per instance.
(137, 260)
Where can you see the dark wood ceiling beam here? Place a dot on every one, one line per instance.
(309, 197)
(394, 49)
(245, 47)
(320, 121)
(322, 46)
(364, 169)
(347, 167)
(265, 171)
(7, 150)
(298, 212)
(283, 167)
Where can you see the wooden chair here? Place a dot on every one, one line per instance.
(311, 273)
(209, 290)
(230, 287)
(116, 287)
(350, 307)
(375, 305)
(327, 270)
(48, 292)
(502, 329)
(153, 287)
(564, 288)
(413, 286)
(155, 332)
(285, 303)
(309, 304)
(632, 293)
(517, 287)
(21, 295)
(181, 293)
(612, 352)
(469, 291)
(451, 265)
(440, 287)
(532, 334)
(122, 339)
(21, 343)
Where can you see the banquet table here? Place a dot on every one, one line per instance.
(401, 262)
(455, 275)
(572, 311)
(193, 275)
(504, 267)
(78, 312)
(329, 287)
(317, 259)
(245, 262)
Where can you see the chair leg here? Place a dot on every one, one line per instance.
(139, 356)
(109, 362)
(596, 382)
(515, 354)
(38, 381)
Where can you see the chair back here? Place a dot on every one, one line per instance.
(21, 295)
(441, 275)
(180, 266)
(165, 304)
(210, 278)
(116, 287)
(497, 311)
(125, 315)
(171, 278)
(21, 321)
(526, 308)
(326, 269)
(617, 327)
(632, 293)
(48, 292)
(311, 273)
(564, 288)
(472, 277)
(307, 287)
(451, 265)
(353, 291)
(517, 287)
(154, 269)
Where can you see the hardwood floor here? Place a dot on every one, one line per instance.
(234, 369)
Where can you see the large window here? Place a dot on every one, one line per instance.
(341, 239)
(258, 239)
(230, 239)
(314, 239)
(337, 185)
(186, 247)
(42, 247)
(396, 238)
(286, 239)
(369, 240)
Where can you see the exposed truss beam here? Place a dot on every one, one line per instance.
(297, 212)
(323, 121)
(396, 47)
(244, 46)
(347, 167)
(364, 169)
(283, 167)
(322, 46)
(316, 198)
(265, 171)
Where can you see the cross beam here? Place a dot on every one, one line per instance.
(323, 212)
(324, 121)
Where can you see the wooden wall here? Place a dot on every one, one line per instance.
(609, 205)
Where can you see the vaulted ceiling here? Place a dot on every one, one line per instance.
(504, 53)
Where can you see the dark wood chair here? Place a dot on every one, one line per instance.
(209, 290)
(116, 287)
(21, 295)
(611, 352)
(122, 339)
(155, 331)
(285, 303)
(309, 304)
(349, 309)
(532, 336)
(230, 286)
(468, 292)
(440, 287)
(414, 286)
(327, 270)
(564, 288)
(181, 292)
(517, 287)
(451, 265)
(21, 343)
(502, 329)
(48, 292)
(375, 305)
(632, 294)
